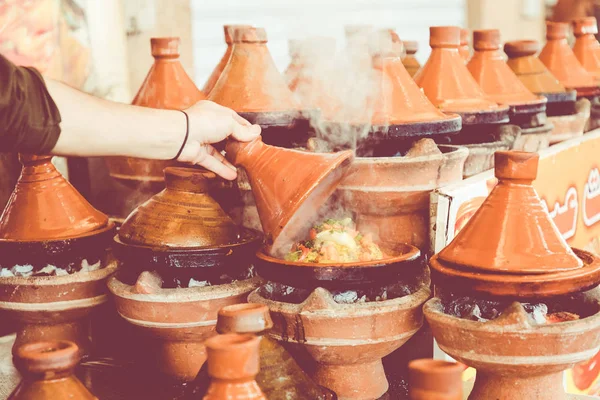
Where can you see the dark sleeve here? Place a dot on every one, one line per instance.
(29, 118)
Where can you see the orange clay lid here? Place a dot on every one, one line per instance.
(398, 100)
(559, 58)
(44, 206)
(529, 69)
(496, 78)
(445, 78)
(216, 74)
(587, 48)
(250, 81)
(464, 50)
(512, 232)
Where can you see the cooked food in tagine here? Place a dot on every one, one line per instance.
(335, 241)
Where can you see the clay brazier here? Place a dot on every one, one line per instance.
(47, 370)
(166, 86)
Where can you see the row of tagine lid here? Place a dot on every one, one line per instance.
(309, 106)
(511, 297)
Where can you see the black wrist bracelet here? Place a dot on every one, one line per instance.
(187, 134)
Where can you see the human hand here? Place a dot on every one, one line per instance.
(211, 123)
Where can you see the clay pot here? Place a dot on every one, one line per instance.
(410, 62)
(166, 86)
(515, 359)
(287, 196)
(464, 50)
(45, 206)
(526, 248)
(347, 341)
(177, 321)
(389, 196)
(280, 377)
(233, 363)
(559, 58)
(534, 139)
(47, 370)
(228, 31)
(570, 126)
(447, 82)
(435, 380)
(497, 80)
(586, 47)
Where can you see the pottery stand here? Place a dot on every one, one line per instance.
(347, 341)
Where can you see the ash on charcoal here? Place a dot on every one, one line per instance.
(195, 283)
(50, 270)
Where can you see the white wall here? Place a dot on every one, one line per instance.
(285, 19)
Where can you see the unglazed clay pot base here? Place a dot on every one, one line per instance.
(570, 126)
(515, 359)
(178, 320)
(533, 139)
(54, 307)
(347, 341)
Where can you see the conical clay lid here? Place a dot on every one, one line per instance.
(44, 206)
(587, 48)
(251, 82)
(512, 232)
(496, 78)
(410, 61)
(183, 215)
(559, 58)
(529, 69)
(445, 78)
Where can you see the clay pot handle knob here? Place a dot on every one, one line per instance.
(241, 153)
(244, 318)
(190, 180)
(556, 30)
(233, 356)
(165, 47)
(28, 159)
(435, 379)
(249, 34)
(516, 166)
(43, 357)
(486, 39)
(411, 46)
(444, 36)
(584, 26)
(521, 48)
(230, 30)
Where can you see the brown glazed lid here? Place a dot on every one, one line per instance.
(47, 368)
(587, 48)
(435, 380)
(445, 78)
(511, 240)
(559, 58)
(529, 69)
(44, 206)
(250, 81)
(496, 78)
(244, 318)
(464, 50)
(287, 196)
(183, 215)
(233, 363)
(216, 74)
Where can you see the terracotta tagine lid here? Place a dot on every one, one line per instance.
(587, 48)
(435, 380)
(446, 80)
(559, 58)
(47, 370)
(496, 78)
(44, 206)
(464, 50)
(410, 61)
(228, 31)
(287, 197)
(183, 215)
(511, 242)
(233, 363)
(529, 69)
(250, 82)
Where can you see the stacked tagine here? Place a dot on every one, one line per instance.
(567, 117)
(501, 85)
(54, 257)
(513, 299)
(182, 259)
(447, 83)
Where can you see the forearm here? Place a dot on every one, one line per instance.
(94, 127)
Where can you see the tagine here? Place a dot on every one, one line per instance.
(586, 47)
(54, 257)
(410, 61)
(464, 50)
(522, 298)
(182, 260)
